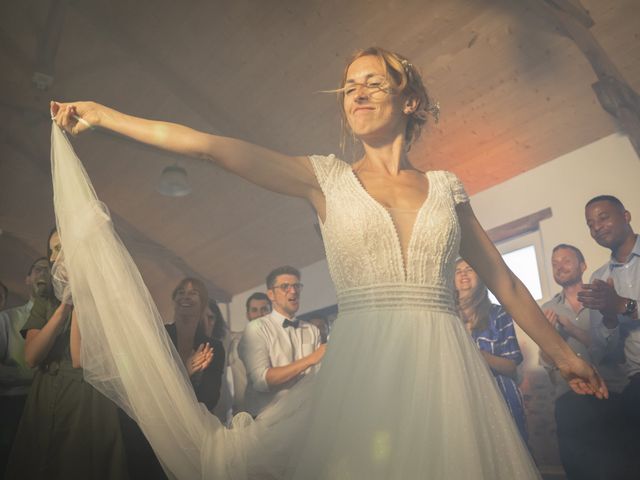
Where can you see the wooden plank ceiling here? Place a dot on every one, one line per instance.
(514, 92)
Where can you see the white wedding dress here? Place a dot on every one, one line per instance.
(403, 392)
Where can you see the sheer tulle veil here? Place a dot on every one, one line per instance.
(126, 353)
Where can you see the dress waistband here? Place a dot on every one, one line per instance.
(394, 296)
(61, 367)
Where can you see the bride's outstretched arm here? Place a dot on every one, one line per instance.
(478, 250)
(274, 171)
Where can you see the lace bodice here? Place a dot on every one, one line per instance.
(362, 243)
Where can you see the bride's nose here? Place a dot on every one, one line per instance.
(363, 96)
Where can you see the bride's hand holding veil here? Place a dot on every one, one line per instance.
(76, 117)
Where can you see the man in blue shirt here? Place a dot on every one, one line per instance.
(612, 296)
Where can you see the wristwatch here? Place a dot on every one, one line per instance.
(630, 307)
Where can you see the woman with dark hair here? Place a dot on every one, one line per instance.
(392, 234)
(214, 324)
(68, 429)
(491, 327)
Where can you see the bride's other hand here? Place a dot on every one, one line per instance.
(583, 378)
(67, 116)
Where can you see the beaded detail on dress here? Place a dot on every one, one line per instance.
(363, 247)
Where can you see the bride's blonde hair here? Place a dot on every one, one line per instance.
(405, 79)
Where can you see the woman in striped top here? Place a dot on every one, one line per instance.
(491, 327)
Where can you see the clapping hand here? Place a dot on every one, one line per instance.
(200, 359)
(316, 356)
(602, 296)
(552, 317)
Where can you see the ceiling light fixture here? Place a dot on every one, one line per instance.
(173, 182)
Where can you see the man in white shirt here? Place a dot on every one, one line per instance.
(15, 375)
(277, 350)
(258, 305)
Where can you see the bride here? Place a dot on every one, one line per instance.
(402, 392)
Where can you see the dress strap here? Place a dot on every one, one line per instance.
(458, 192)
(325, 167)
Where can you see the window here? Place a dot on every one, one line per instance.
(524, 256)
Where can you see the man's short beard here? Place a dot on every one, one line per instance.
(570, 283)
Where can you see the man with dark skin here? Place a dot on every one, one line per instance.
(610, 226)
(612, 296)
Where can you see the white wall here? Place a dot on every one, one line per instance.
(608, 166)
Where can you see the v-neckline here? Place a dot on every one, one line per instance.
(404, 263)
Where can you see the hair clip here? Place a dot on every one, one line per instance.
(406, 65)
(434, 109)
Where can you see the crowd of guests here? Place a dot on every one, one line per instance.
(54, 424)
(598, 439)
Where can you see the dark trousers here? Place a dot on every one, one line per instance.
(593, 437)
(631, 404)
(11, 407)
(141, 461)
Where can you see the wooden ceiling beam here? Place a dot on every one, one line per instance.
(48, 45)
(613, 92)
(573, 8)
(18, 57)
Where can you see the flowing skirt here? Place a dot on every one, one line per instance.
(405, 393)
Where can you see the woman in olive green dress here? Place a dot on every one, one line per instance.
(68, 429)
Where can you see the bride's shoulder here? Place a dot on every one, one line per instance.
(327, 160)
(451, 181)
(326, 166)
(445, 175)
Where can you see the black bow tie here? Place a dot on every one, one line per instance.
(289, 323)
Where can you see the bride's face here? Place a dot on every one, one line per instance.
(372, 108)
